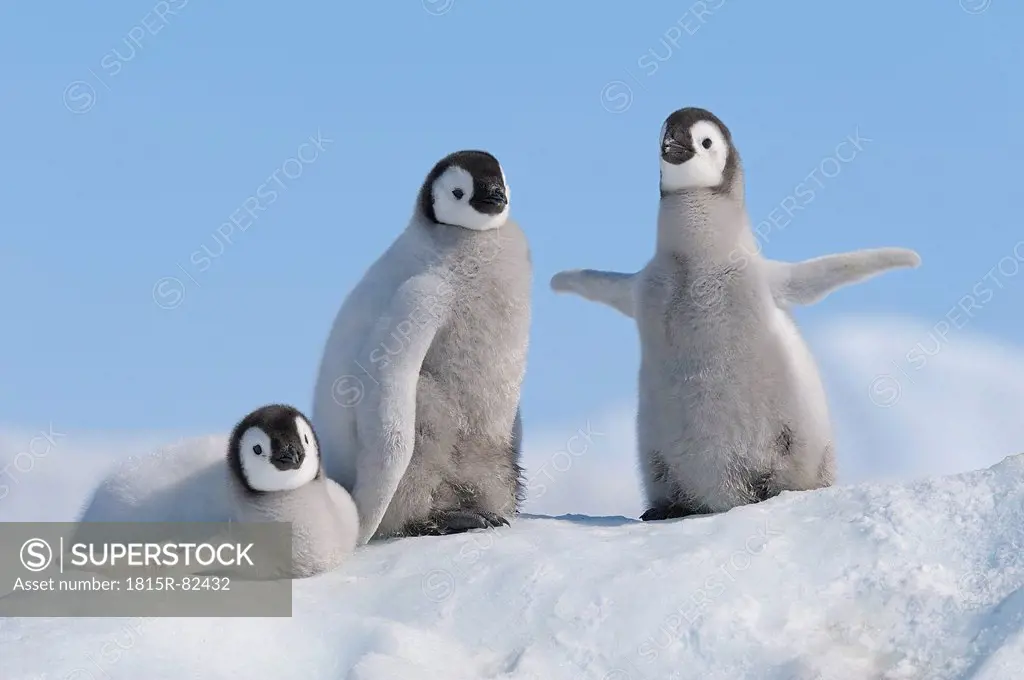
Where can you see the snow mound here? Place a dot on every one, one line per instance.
(888, 581)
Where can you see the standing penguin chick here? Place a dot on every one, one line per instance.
(731, 407)
(272, 473)
(417, 399)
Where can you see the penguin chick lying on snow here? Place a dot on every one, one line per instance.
(272, 473)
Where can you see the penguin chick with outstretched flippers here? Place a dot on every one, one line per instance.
(272, 473)
(731, 407)
(417, 399)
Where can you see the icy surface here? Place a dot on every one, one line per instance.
(913, 580)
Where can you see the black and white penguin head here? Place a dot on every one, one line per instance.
(274, 448)
(696, 153)
(466, 189)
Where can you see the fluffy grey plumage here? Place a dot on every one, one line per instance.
(196, 482)
(417, 399)
(731, 408)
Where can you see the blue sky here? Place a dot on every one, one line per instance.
(120, 165)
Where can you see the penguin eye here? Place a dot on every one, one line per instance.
(305, 438)
(457, 193)
(706, 143)
(258, 450)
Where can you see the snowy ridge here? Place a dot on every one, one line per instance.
(889, 581)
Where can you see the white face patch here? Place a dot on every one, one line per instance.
(255, 452)
(705, 169)
(452, 191)
(308, 441)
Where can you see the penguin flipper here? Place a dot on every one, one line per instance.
(614, 289)
(810, 281)
(386, 416)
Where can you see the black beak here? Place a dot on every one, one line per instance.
(675, 153)
(492, 200)
(287, 458)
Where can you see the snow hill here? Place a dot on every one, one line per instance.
(875, 581)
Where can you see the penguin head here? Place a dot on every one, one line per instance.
(274, 448)
(466, 189)
(696, 153)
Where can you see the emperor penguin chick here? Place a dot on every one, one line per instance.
(272, 473)
(417, 399)
(274, 455)
(731, 407)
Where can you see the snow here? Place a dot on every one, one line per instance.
(885, 581)
(920, 579)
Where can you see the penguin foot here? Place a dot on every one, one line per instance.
(762, 487)
(446, 522)
(660, 512)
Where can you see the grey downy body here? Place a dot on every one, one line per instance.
(323, 518)
(731, 409)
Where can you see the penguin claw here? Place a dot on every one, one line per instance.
(654, 514)
(495, 520)
(447, 522)
(661, 512)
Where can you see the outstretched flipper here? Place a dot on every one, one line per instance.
(386, 416)
(810, 281)
(610, 288)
